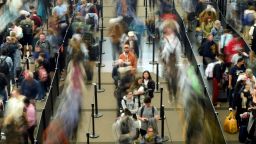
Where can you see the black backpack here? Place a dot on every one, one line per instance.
(4, 68)
(27, 29)
(133, 102)
(142, 109)
(90, 21)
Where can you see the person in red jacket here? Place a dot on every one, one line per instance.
(232, 48)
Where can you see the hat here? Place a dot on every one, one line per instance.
(131, 33)
(24, 12)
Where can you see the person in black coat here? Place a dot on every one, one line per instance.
(149, 84)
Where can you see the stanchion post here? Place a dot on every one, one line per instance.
(161, 96)
(157, 78)
(146, 9)
(96, 114)
(100, 89)
(153, 54)
(27, 63)
(164, 138)
(88, 138)
(93, 134)
(139, 101)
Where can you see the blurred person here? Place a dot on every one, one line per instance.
(224, 40)
(37, 20)
(55, 134)
(42, 45)
(128, 57)
(170, 54)
(232, 48)
(151, 137)
(208, 13)
(91, 19)
(252, 34)
(43, 10)
(233, 76)
(15, 123)
(53, 21)
(189, 7)
(251, 62)
(124, 83)
(125, 129)
(248, 20)
(240, 54)
(17, 29)
(124, 8)
(148, 115)
(30, 113)
(115, 32)
(30, 87)
(217, 31)
(149, 84)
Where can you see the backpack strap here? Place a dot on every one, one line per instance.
(141, 111)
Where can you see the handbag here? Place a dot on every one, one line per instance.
(230, 124)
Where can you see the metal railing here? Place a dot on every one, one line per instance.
(188, 52)
(48, 110)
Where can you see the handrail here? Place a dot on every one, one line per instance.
(192, 58)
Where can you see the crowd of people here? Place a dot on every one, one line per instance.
(67, 43)
(227, 64)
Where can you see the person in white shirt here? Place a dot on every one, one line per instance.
(130, 102)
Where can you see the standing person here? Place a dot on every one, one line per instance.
(30, 87)
(217, 31)
(128, 57)
(148, 83)
(27, 26)
(233, 76)
(115, 32)
(218, 71)
(148, 115)
(31, 119)
(129, 102)
(42, 46)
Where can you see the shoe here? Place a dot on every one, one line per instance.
(230, 109)
(218, 106)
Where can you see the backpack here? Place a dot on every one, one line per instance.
(142, 109)
(249, 19)
(90, 21)
(125, 101)
(4, 68)
(42, 74)
(27, 28)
